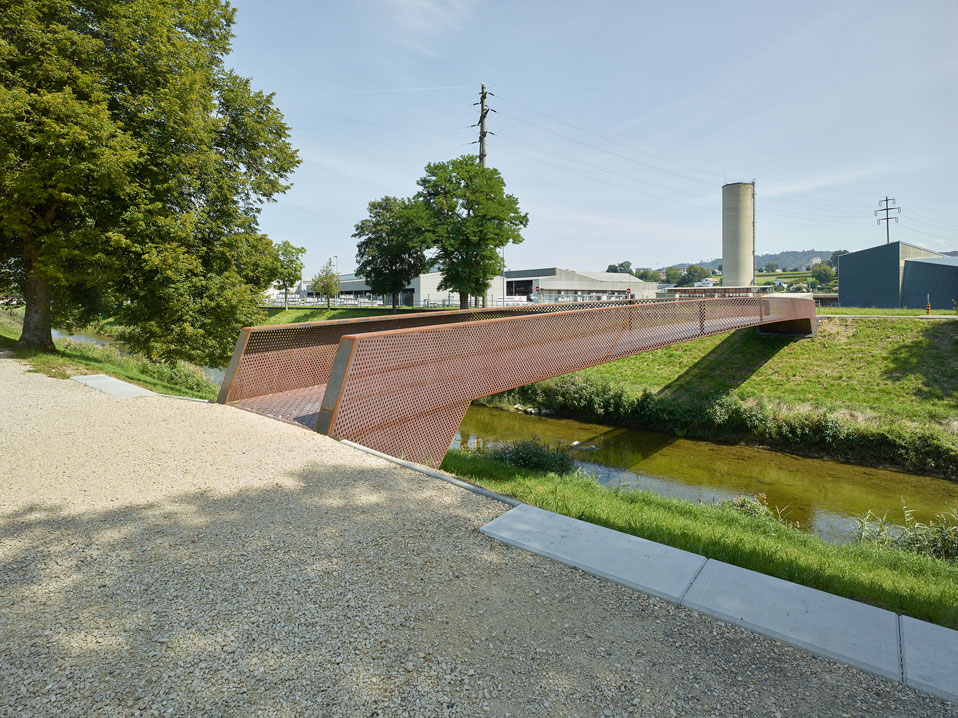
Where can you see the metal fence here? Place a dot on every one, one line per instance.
(402, 384)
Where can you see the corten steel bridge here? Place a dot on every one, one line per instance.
(401, 384)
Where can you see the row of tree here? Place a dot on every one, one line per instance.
(457, 224)
(673, 275)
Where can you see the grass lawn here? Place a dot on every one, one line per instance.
(278, 315)
(919, 586)
(75, 358)
(887, 312)
(865, 369)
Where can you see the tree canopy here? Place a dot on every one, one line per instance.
(326, 282)
(469, 218)
(823, 273)
(692, 274)
(392, 245)
(133, 165)
(620, 268)
(290, 269)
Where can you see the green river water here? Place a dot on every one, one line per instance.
(823, 496)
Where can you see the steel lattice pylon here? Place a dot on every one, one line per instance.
(401, 384)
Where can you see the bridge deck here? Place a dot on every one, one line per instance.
(402, 383)
(296, 406)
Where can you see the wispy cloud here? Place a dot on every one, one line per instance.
(418, 22)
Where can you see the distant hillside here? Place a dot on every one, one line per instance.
(784, 260)
(951, 254)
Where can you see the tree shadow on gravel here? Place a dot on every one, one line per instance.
(342, 592)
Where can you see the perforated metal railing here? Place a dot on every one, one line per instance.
(405, 391)
(280, 358)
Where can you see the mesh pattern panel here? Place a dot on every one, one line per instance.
(405, 391)
(283, 357)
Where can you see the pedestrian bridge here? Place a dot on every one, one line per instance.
(401, 383)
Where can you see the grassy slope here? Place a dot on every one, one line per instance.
(75, 358)
(918, 586)
(886, 312)
(278, 315)
(877, 369)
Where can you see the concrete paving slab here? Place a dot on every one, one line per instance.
(113, 387)
(660, 570)
(929, 656)
(848, 631)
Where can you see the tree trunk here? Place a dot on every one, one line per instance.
(395, 302)
(463, 300)
(327, 302)
(285, 298)
(36, 332)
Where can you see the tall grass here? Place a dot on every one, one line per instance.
(916, 585)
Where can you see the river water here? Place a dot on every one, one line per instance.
(823, 496)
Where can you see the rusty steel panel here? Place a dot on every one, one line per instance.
(282, 357)
(405, 391)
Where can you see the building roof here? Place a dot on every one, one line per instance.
(949, 261)
(606, 276)
(887, 244)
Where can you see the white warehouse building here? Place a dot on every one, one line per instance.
(553, 284)
(421, 291)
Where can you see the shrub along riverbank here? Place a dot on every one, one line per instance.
(868, 391)
(901, 581)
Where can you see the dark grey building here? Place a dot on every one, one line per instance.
(874, 277)
(933, 280)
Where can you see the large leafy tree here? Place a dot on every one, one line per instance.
(392, 245)
(470, 218)
(620, 268)
(692, 274)
(133, 165)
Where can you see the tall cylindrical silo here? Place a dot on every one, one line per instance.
(738, 234)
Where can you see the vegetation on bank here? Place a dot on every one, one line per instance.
(869, 391)
(886, 312)
(901, 581)
(73, 358)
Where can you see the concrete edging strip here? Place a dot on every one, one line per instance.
(920, 654)
(635, 562)
(112, 386)
(849, 631)
(436, 474)
(929, 655)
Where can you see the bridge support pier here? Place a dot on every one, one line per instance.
(803, 328)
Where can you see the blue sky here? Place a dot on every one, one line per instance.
(618, 122)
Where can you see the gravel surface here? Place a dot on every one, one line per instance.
(165, 557)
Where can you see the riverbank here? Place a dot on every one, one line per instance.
(911, 584)
(75, 358)
(876, 392)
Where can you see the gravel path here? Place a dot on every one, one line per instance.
(177, 558)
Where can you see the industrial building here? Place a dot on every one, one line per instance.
(552, 284)
(897, 275)
(422, 291)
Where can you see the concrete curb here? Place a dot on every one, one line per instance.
(922, 655)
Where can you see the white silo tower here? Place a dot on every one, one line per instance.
(738, 234)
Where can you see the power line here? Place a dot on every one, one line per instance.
(353, 92)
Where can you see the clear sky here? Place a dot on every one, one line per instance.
(618, 122)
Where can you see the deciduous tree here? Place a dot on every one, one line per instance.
(290, 268)
(326, 282)
(470, 219)
(133, 164)
(392, 245)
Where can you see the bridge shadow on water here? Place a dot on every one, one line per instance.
(726, 367)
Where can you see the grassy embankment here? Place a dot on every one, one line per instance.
(886, 312)
(918, 586)
(74, 358)
(871, 391)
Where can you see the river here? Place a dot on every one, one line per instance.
(823, 496)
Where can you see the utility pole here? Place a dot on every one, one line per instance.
(483, 111)
(887, 210)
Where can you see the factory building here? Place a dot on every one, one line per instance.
(422, 291)
(897, 275)
(552, 284)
